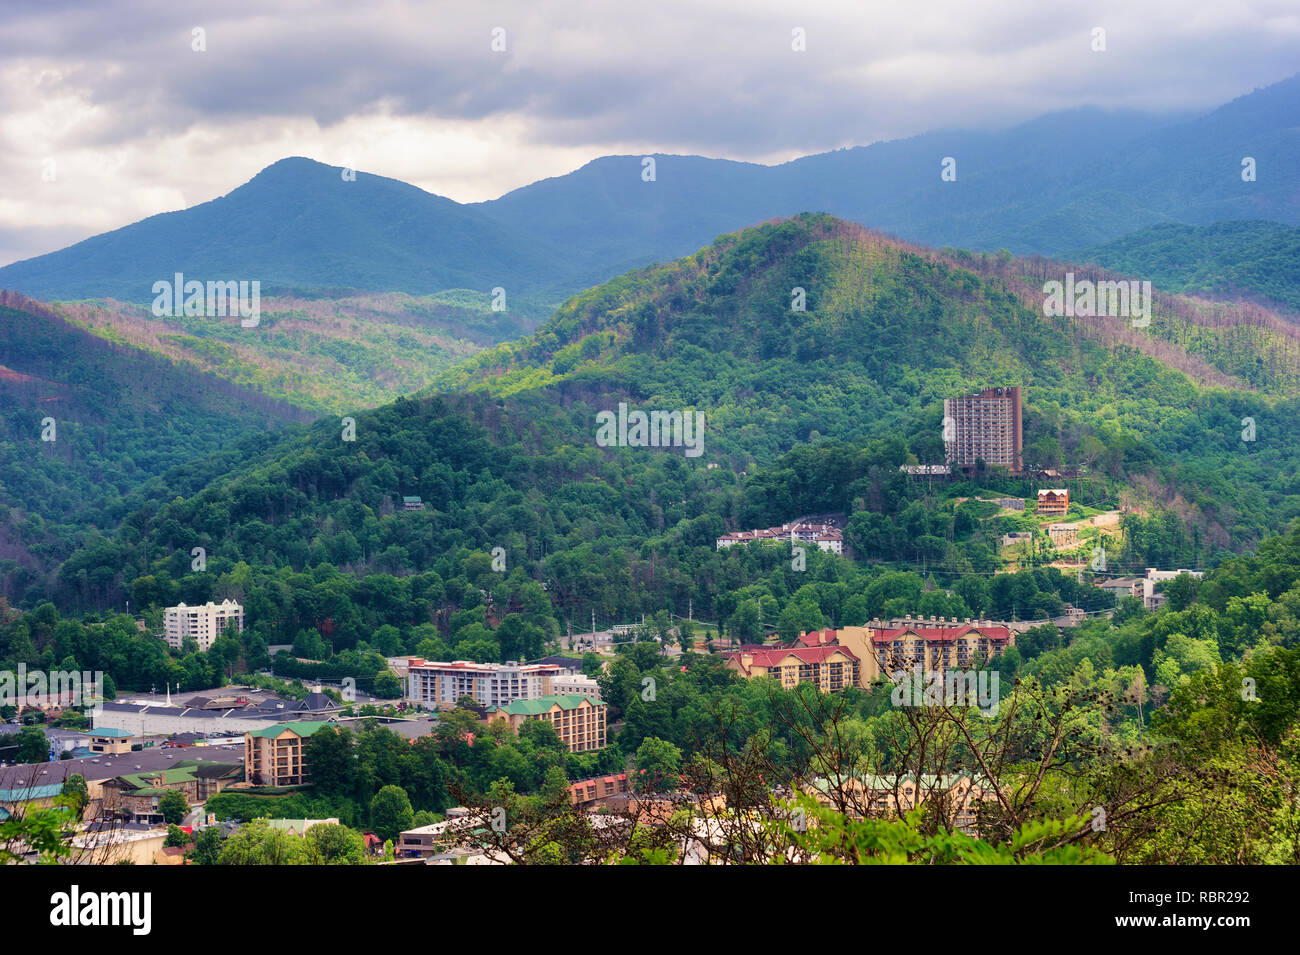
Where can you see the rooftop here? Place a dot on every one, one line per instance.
(304, 729)
(542, 704)
(100, 767)
(940, 634)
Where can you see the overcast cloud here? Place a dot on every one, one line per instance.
(131, 121)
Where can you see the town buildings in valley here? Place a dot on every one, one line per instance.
(824, 532)
(440, 685)
(832, 659)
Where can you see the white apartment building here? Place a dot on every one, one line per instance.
(204, 623)
(436, 684)
(573, 684)
(1152, 600)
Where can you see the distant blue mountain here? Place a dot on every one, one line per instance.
(1065, 181)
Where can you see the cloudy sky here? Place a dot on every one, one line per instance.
(109, 113)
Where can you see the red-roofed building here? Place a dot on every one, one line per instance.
(817, 638)
(828, 667)
(938, 647)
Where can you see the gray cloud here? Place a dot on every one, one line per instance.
(141, 121)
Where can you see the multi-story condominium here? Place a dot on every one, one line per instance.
(984, 427)
(938, 647)
(204, 623)
(579, 721)
(829, 667)
(275, 756)
(440, 685)
(1053, 502)
(568, 684)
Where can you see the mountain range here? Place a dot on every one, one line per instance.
(502, 447)
(1066, 181)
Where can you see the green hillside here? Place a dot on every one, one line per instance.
(1246, 259)
(529, 530)
(323, 352)
(806, 412)
(122, 418)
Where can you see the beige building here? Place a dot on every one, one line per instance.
(579, 721)
(939, 647)
(275, 756)
(1152, 600)
(204, 623)
(984, 427)
(572, 684)
(829, 667)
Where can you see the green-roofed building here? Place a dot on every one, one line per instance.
(579, 720)
(110, 741)
(275, 756)
(136, 794)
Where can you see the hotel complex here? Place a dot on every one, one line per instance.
(440, 685)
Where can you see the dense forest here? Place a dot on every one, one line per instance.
(1247, 259)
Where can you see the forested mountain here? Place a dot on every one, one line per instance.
(89, 427)
(887, 331)
(806, 411)
(1062, 182)
(322, 353)
(299, 225)
(1247, 259)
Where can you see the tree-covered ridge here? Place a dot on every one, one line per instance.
(1248, 259)
(300, 225)
(874, 310)
(321, 352)
(887, 335)
(118, 420)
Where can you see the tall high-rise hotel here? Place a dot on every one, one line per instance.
(984, 426)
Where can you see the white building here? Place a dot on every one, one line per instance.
(1150, 599)
(204, 623)
(573, 684)
(435, 684)
(825, 535)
